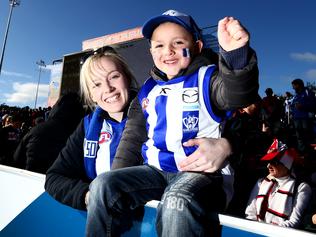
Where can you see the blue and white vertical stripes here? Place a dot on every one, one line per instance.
(176, 111)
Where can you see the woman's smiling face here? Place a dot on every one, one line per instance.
(109, 87)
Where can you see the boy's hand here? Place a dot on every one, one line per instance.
(86, 198)
(231, 34)
(208, 157)
(314, 219)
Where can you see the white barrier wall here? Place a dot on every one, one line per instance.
(19, 188)
(32, 212)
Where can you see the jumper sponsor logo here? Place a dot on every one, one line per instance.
(164, 91)
(192, 107)
(190, 123)
(145, 103)
(190, 96)
(90, 148)
(105, 137)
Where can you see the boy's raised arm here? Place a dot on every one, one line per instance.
(231, 34)
(236, 85)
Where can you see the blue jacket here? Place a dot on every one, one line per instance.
(308, 102)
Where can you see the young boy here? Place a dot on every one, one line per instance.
(181, 103)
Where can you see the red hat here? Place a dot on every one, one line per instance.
(282, 153)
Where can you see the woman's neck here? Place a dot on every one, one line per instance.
(117, 116)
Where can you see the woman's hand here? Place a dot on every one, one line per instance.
(86, 198)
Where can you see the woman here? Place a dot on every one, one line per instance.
(106, 87)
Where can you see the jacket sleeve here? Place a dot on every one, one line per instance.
(300, 204)
(66, 180)
(232, 89)
(128, 152)
(251, 210)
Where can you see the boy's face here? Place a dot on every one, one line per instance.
(168, 42)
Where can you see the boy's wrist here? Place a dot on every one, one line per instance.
(235, 59)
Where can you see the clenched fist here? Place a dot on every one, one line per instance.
(231, 34)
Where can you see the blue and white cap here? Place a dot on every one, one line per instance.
(172, 16)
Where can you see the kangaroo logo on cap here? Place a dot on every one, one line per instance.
(173, 13)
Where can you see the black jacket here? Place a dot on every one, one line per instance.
(66, 180)
(230, 89)
(39, 148)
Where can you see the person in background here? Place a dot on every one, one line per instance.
(9, 139)
(24, 129)
(46, 115)
(288, 97)
(3, 120)
(39, 148)
(272, 110)
(246, 132)
(303, 108)
(279, 198)
(38, 120)
(185, 99)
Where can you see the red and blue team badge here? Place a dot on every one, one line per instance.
(145, 103)
(105, 137)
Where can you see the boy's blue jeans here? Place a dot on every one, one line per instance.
(186, 200)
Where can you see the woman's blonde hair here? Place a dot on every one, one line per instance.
(86, 74)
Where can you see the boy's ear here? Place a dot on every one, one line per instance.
(199, 46)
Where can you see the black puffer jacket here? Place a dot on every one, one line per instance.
(39, 148)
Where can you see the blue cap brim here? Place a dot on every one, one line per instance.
(153, 23)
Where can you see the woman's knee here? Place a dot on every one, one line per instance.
(102, 183)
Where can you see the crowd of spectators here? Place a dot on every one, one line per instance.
(289, 118)
(16, 123)
(25, 133)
